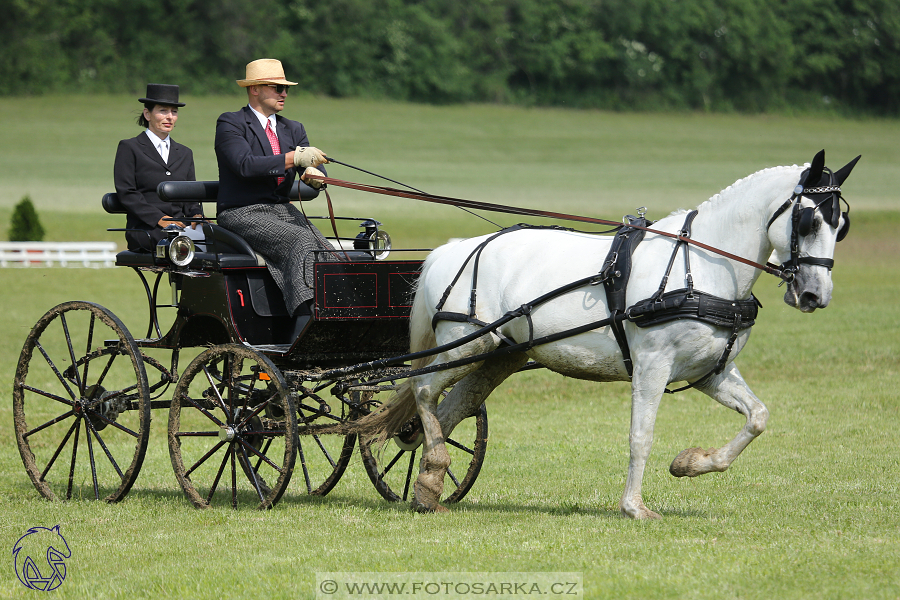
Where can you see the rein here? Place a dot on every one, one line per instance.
(769, 268)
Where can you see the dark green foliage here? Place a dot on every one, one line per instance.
(24, 226)
(747, 55)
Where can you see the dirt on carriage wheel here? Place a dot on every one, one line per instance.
(81, 375)
(393, 469)
(323, 458)
(232, 429)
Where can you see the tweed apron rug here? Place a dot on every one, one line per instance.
(288, 242)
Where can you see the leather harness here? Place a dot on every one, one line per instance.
(661, 307)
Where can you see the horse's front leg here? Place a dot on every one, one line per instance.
(730, 389)
(647, 385)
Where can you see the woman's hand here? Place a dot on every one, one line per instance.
(167, 220)
(195, 223)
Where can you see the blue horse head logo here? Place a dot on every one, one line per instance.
(39, 557)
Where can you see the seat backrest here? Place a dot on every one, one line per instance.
(227, 242)
(200, 191)
(111, 204)
(208, 191)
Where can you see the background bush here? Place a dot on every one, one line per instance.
(24, 225)
(748, 55)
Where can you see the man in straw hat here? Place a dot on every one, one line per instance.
(259, 152)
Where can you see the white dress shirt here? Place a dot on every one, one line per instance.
(161, 145)
(263, 119)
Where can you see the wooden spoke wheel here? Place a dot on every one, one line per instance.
(323, 458)
(81, 404)
(232, 429)
(394, 470)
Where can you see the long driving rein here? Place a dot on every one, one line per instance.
(784, 271)
(661, 307)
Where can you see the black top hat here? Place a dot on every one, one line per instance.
(160, 93)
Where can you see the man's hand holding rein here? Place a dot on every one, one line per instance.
(308, 177)
(309, 156)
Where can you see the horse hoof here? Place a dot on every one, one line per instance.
(640, 514)
(426, 499)
(687, 463)
(421, 508)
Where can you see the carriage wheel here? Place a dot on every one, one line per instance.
(232, 429)
(81, 404)
(394, 470)
(323, 458)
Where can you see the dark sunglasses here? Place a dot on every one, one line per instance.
(280, 89)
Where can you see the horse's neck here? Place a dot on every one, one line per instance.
(735, 221)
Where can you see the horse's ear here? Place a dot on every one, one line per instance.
(841, 174)
(815, 169)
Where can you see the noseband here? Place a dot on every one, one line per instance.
(802, 220)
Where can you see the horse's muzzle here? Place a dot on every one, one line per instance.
(806, 301)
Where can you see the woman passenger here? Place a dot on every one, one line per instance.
(143, 162)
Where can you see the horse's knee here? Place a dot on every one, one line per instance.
(756, 422)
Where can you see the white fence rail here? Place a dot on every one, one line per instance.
(58, 254)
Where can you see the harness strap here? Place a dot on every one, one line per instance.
(461, 318)
(720, 365)
(477, 254)
(684, 234)
(615, 275)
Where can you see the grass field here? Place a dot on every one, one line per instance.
(808, 511)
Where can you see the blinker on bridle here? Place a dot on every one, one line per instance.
(802, 220)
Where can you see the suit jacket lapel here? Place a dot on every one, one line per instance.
(150, 150)
(176, 154)
(257, 129)
(285, 139)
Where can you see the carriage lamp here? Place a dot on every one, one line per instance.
(177, 248)
(373, 240)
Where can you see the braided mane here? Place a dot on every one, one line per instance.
(738, 187)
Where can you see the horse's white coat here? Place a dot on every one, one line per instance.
(518, 267)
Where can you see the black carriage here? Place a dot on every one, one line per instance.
(248, 408)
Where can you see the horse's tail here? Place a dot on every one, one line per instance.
(385, 423)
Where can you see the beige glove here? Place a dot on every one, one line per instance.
(313, 172)
(310, 156)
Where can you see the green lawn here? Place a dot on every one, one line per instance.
(808, 511)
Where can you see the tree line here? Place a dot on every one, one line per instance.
(729, 55)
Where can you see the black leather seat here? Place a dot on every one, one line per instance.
(226, 248)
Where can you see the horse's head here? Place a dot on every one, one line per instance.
(804, 230)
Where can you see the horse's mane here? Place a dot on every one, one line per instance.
(737, 187)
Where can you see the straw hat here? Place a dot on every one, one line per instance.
(264, 71)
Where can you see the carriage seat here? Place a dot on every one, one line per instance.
(223, 247)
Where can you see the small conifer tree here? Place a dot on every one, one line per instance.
(25, 225)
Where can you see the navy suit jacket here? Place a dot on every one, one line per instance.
(138, 170)
(248, 169)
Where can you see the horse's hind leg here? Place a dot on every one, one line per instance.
(438, 420)
(468, 395)
(732, 391)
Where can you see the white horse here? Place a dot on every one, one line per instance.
(518, 267)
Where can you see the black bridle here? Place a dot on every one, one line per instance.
(802, 220)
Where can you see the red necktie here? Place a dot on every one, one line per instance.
(273, 141)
